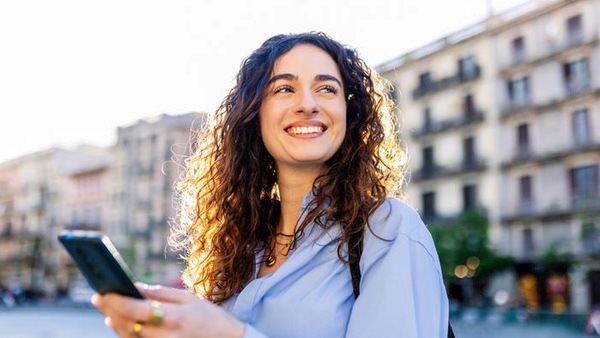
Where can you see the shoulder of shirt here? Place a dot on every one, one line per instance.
(392, 221)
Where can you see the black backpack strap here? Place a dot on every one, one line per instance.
(450, 332)
(354, 254)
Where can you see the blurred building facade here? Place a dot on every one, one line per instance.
(35, 190)
(505, 115)
(144, 172)
(123, 190)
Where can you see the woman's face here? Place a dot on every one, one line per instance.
(303, 113)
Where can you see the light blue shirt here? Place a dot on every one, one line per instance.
(402, 293)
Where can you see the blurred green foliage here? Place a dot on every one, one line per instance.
(463, 237)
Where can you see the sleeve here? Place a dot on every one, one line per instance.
(251, 332)
(401, 292)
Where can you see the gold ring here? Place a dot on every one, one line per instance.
(156, 314)
(137, 329)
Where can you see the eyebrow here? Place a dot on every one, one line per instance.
(290, 77)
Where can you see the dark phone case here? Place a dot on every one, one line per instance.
(98, 260)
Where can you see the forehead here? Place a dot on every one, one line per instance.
(306, 60)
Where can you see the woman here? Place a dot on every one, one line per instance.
(301, 164)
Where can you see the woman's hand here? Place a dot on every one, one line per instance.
(184, 315)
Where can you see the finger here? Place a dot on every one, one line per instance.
(126, 329)
(117, 306)
(124, 308)
(123, 328)
(166, 294)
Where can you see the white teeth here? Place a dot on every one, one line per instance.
(306, 130)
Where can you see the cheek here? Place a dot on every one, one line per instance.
(266, 129)
(340, 118)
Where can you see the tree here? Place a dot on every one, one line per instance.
(464, 250)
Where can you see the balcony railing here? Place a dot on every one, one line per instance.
(583, 202)
(529, 155)
(84, 226)
(576, 86)
(438, 219)
(431, 128)
(513, 106)
(511, 109)
(551, 51)
(447, 82)
(532, 209)
(435, 171)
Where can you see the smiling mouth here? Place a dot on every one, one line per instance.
(305, 130)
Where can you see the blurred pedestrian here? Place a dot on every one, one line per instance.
(288, 215)
(593, 322)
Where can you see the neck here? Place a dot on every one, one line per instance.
(293, 184)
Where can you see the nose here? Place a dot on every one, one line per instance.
(307, 104)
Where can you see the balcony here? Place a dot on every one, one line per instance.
(524, 156)
(434, 171)
(445, 83)
(440, 220)
(513, 109)
(576, 86)
(530, 210)
(83, 226)
(584, 203)
(438, 127)
(552, 52)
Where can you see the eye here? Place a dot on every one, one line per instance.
(283, 89)
(328, 89)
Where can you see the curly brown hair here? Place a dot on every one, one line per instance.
(228, 208)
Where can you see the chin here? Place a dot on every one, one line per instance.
(305, 161)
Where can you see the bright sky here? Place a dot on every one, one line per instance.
(71, 71)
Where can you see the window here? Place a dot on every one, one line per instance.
(428, 160)
(525, 194)
(429, 212)
(575, 75)
(518, 91)
(469, 105)
(427, 123)
(74, 218)
(518, 50)
(581, 127)
(7, 231)
(469, 158)
(528, 245)
(96, 218)
(467, 68)
(574, 30)
(584, 183)
(469, 197)
(425, 80)
(523, 140)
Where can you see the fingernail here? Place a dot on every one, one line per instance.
(108, 322)
(94, 299)
(142, 285)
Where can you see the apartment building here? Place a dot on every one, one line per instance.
(34, 191)
(549, 96)
(503, 115)
(13, 255)
(147, 162)
(447, 104)
(124, 191)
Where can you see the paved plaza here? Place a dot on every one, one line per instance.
(68, 322)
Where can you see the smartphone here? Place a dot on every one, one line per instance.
(99, 262)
